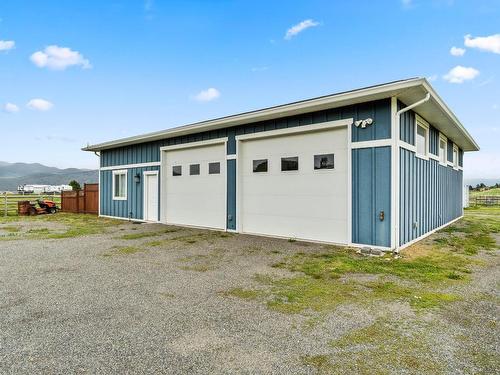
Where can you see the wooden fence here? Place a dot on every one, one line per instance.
(485, 200)
(84, 201)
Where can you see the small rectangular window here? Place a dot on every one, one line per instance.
(421, 140)
(290, 164)
(214, 168)
(455, 157)
(325, 161)
(177, 170)
(260, 165)
(442, 151)
(194, 169)
(119, 185)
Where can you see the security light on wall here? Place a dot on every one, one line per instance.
(363, 123)
(137, 178)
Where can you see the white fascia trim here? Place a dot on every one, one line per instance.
(125, 219)
(194, 144)
(429, 233)
(126, 166)
(449, 113)
(231, 157)
(340, 99)
(433, 157)
(375, 143)
(119, 172)
(296, 129)
(394, 227)
(407, 146)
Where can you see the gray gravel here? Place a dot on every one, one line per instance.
(79, 306)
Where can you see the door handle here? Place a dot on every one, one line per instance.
(381, 215)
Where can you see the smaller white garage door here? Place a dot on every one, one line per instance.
(307, 201)
(194, 180)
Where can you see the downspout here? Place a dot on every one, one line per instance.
(98, 154)
(396, 157)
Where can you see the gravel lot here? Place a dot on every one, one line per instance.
(104, 304)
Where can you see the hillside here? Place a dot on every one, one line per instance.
(14, 174)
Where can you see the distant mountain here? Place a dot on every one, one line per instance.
(14, 174)
(477, 181)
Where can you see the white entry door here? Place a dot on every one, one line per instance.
(194, 183)
(295, 185)
(151, 196)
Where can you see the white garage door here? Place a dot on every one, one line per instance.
(309, 202)
(195, 186)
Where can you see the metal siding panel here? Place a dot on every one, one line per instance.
(231, 194)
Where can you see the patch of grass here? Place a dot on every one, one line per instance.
(38, 231)
(124, 250)
(10, 229)
(320, 362)
(384, 347)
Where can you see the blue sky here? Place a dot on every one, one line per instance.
(119, 68)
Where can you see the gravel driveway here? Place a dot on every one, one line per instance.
(156, 304)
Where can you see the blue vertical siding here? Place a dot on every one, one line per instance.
(231, 194)
(430, 195)
(450, 150)
(433, 140)
(371, 193)
(406, 125)
(147, 152)
(133, 206)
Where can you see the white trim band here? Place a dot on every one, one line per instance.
(127, 166)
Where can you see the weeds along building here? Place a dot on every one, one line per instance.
(380, 166)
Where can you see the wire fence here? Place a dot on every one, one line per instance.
(9, 201)
(485, 200)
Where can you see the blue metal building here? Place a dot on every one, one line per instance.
(380, 166)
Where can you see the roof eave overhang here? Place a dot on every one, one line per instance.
(401, 88)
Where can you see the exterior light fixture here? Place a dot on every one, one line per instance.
(137, 178)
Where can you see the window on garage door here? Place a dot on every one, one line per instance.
(290, 164)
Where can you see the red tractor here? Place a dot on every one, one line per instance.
(44, 207)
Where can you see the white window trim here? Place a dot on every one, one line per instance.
(419, 121)
(120, 172)
(442, 137)
(455, 160)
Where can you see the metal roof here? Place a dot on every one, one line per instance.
(408, 91)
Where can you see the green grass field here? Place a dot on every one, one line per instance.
(12, 200)
(494, 191)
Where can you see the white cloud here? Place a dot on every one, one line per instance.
(207, 95)
(407, 3)
(432, 78)
(59, 58)
(296, 29)
(39, 105)
(10, 108)
(459, 74)
(6, 45)
(484, 43)
(457, 51)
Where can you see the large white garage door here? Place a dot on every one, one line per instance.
(295, 185)
(195, 186)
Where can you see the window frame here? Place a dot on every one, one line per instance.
(443, 138)
(323, 169)
(176, 175)
(419, 121)
(291, 170)
(195, 165)
(120, 172)
(455, 156)
(213, 162)
(261, 172)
